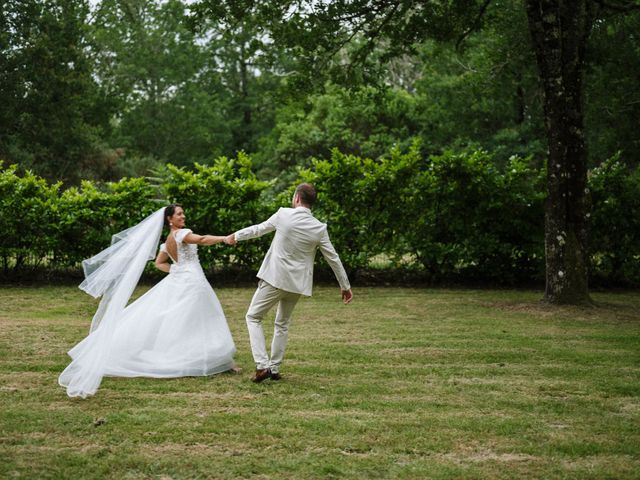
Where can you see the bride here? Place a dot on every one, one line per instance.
(175, 329)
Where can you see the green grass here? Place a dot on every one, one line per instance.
(404, 383)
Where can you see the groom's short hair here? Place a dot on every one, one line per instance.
(307, 193)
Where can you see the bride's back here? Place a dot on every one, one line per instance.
(172, 246)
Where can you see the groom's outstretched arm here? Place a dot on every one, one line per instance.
(332, 258)
(254, 230)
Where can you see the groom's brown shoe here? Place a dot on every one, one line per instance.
(276, 376)
(261, 375)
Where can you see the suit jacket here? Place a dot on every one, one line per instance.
(288, 264)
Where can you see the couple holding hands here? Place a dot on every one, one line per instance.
(178, 327)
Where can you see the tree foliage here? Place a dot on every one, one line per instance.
(113, 88)
(448, 217)
(54, 113)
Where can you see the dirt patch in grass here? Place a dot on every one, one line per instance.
(484, 455)
(620, 312)
(624, 464)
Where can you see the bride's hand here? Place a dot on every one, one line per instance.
(230, 239)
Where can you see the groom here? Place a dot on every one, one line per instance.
(286, 273)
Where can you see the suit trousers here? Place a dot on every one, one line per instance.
(264, 299)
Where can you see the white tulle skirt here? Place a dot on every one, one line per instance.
(176, 329)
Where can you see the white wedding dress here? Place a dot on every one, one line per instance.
(175, 329)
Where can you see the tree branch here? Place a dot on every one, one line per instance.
(475, 24)
(619, 8)
(373, 35)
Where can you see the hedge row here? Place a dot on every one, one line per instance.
(46, 226)
(453, 216)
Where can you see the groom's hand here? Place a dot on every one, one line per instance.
(230, 239)
(347, 296)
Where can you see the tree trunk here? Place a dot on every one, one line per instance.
(560, 30)
(520, 101)
(244, 95)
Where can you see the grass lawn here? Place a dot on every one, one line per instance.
(404, 383)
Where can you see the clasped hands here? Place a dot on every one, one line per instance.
(230, 239)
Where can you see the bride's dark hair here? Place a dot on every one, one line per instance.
(169, 211)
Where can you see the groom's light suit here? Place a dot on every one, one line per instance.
(285, 274)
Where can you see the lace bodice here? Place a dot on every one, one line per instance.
(187, 252)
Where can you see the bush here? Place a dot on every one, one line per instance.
(363, 201)
(615, 225)
(471, 220)
(89, 216)
(28, 218)
(41, 224)
(219, 200)
(455, 216)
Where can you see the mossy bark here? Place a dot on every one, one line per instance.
(560, 30)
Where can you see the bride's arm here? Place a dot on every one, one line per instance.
(202, 239)
(162, 262)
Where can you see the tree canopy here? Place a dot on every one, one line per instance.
(111, 88)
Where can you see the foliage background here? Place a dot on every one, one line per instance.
(451, 217)
(111, 88)
(430, 160)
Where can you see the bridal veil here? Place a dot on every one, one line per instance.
(113, 274)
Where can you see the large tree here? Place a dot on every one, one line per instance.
(170, 101)
(53, 111)
(318, 32)
(559, 33)
(250, 65)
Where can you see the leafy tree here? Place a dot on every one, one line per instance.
(560, 32)
(367, 122)
(484, 93)
(559, 29)
(169, 100)
(248, 68)
(53, 113)
(612, 98)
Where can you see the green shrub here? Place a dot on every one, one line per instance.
(89, 216)
(363, 200)
(615, 222)
(219, 200)
(474, 221)
(28, 218)
(454, 216)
